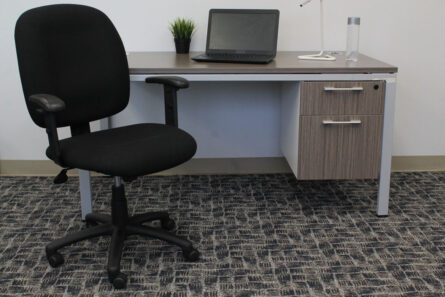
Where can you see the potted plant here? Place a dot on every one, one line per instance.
(182, 31)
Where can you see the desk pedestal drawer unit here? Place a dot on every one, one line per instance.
(339, 147)
(340, 132)
(342, 98)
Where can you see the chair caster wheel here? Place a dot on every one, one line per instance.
(120, 281)
(191, 254)
(168, 224)
(55, 260)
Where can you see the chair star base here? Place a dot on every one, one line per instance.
(119, 225)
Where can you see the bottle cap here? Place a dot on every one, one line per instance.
(353, 21)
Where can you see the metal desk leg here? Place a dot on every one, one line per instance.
(385, 166)
(85, 181)
(85, 192)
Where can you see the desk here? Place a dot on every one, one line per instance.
(336, 117)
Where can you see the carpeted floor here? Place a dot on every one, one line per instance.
(259, 235)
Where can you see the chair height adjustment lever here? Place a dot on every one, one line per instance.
(62, 177)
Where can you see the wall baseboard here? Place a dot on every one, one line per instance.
(28, 168)
(417, 163)
(219, 166)
(193, 167)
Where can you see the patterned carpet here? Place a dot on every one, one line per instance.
(259, 235)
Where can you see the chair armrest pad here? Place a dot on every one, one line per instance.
(50, 104)
(173, 81)
(47, 102)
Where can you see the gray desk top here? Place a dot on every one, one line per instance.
(284, 63)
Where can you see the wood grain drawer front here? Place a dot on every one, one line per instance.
(340, 98)
(339, 147)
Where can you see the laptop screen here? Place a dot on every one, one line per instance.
(243, 31)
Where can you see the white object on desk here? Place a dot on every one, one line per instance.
(320, 56)
(353, 39)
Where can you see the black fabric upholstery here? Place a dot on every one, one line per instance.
(75, 53)
(128, 151)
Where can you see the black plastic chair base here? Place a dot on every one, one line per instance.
(119, 225)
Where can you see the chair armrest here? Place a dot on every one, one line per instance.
(172, 81)
(47, 102)
(171, 86)
(49, 105)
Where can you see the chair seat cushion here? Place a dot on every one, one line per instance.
(128, 151)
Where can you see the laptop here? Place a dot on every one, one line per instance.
(241, 36)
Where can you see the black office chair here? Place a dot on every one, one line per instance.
(74, 70)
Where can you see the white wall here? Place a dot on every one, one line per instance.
(400, 32)
(227, 119)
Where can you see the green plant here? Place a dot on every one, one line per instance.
(182, 28)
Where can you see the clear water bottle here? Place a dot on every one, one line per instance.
(353, 39)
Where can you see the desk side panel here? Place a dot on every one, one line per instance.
(290, 123)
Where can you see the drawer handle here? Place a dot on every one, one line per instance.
(353, 122)
(353, 89)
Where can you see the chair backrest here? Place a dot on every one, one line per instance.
(75, 53)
